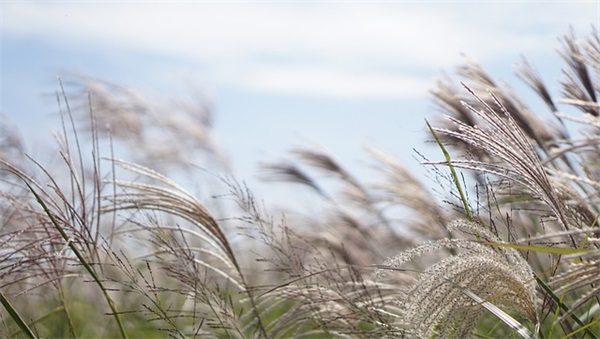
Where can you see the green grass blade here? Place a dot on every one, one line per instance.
(542, 249)
(577, 332)
(564, 307)
(554, 322)
(463, 198)
(50, 314)
(81, 259)
(16, 317)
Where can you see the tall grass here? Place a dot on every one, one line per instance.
(502, 243)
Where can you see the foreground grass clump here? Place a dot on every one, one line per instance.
(96, 246)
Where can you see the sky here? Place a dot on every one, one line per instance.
(281, 74)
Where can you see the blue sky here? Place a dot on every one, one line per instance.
(281, 74)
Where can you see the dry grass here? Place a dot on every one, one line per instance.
(97, 246)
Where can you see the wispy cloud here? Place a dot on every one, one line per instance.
(319, 49)
(315, 82)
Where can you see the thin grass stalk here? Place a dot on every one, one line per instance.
(178, 202)
(452, 171)
(581, 329)
(65, 310)
(76, 183)
(16, 317)
(554, 321)
(45, 317)
(96, 166)
(81, 259)
(77, 177)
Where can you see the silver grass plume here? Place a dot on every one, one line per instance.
(515, 156)
(214, 255)
(401, 188)
(449, 297)
(175, 200)
(352, 214)
(160, 132)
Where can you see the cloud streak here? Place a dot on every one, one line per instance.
(318, 49)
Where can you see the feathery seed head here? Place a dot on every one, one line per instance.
(440, 303)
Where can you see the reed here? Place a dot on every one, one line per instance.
(503, 242)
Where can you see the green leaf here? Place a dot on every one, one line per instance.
(542, 249)
(16, 317)
(79, 256)
(563, 306)
(463, 198)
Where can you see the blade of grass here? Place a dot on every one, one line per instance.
(589, 314)
(541, 249)
(554, 322)
(500, 314)
(80, 257)
(16, 317)
(463, 198)
(564, 307)
(66, 311)
(50, 314)
(575, 333)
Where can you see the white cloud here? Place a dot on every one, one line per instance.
(329, 49)
(312, 81)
